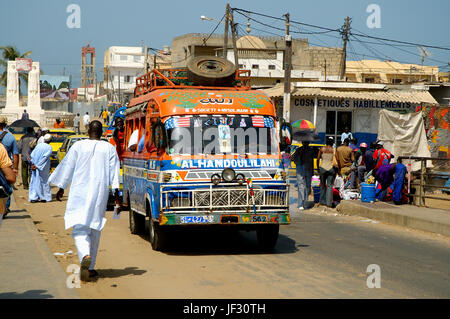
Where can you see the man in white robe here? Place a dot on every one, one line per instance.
(39, 189)
(91, 165)
(44, 131)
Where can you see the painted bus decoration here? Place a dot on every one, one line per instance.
(202, 152)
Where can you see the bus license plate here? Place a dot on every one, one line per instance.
(196, 219)
(259, 219)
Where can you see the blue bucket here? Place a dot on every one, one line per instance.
(367, 193)
(316, 190)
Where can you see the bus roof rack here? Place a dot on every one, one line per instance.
(178, 79)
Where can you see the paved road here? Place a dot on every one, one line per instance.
(319, 255)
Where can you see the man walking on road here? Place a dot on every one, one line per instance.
(40, 169)
(303, 158)
(25, 152)
(86, 120)
(92, 165)
(105, 116)
(76, 124)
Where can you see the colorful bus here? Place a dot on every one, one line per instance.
(202, 155)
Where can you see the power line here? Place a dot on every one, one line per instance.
(357, 34)
(204, 41)
(403, 50)
(281, 29)
(291, 21)
(403, 42)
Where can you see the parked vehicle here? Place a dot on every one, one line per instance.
(59, 135)
(178, 178)
(67, 144)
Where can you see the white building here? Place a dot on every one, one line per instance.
(122, 65)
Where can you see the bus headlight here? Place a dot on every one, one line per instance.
(215, 179)
(228, 174)
(240, 178)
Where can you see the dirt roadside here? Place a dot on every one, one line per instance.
(129, 268)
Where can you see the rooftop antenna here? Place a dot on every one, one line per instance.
(424, 53)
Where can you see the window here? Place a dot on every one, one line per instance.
(271, 67)
(127, 79)
(396, 81)
(137, 58)
(255, 66)
(336, 122)
(369, 80)
(124, 58)
(218, 135)
(241, 66)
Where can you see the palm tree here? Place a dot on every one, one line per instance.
(10, 53)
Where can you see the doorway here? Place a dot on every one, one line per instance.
(336, 122)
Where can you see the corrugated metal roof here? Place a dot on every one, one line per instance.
(405, 96)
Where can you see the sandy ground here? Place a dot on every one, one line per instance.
(224, 265)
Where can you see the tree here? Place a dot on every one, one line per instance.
(10, 53)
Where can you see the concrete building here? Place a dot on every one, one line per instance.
(163, 59)
(264, 56)
(388, 72)
(121, 67)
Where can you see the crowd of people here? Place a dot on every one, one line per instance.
(353, 164)
(92, 163)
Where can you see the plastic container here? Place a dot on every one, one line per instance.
(367, 193)
(315, 181)
(316, 190)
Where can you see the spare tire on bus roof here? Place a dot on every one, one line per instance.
(211, 71)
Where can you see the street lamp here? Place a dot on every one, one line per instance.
(206, 18)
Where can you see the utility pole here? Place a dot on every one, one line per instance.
(225, 34)
(325, 65)
(287, 72)
(120, 101)
(70, 104)
(233, 38)
(154, 59)
(146, 59)
(344, 33)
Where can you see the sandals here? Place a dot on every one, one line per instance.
(84, 271)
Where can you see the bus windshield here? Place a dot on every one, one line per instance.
(224, 134)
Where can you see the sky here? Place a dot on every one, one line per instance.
(40, 26)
